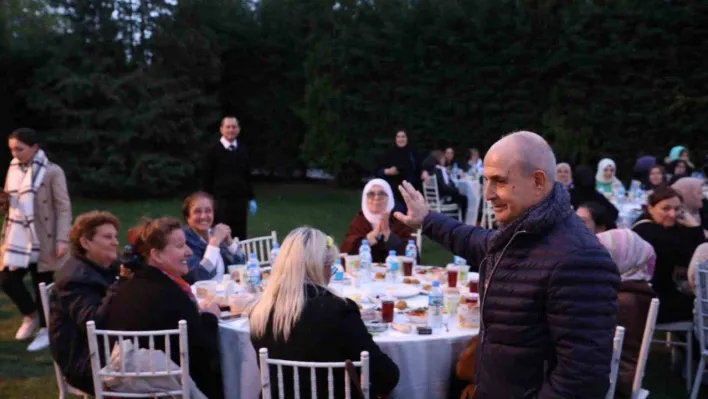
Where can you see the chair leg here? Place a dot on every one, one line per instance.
(668, 339)
(689, 359)
(699, 377)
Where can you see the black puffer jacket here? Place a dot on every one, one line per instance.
(550, 296)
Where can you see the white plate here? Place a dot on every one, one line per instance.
(396, 290)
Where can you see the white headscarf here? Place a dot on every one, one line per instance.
(372, 218)
(635, 258)
(599, 176)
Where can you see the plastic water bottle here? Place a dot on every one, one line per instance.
(435, 306)
(459, 260)
(393, 265)
(253, 274)
(338, 270)
(365, 261)
(412, 251)
(274, 252)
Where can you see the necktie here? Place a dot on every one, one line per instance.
(232, 148)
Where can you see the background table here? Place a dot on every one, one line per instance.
(472, 189)
(426, 362)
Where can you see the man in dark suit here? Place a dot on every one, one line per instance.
(227, 177)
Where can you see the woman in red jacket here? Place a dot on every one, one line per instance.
(375, 223)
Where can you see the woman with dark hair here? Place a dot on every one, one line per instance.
(35, 235)
(679, 169)
(656, 178)
(675, 235)
(595, 217)
(213, 248)
(399, 164)
(584, 191)
(157, 298)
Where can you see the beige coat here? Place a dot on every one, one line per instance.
(52, 219)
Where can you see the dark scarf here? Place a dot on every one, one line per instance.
(402, 158)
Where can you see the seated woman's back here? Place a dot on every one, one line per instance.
(157, 298)
(299, 319)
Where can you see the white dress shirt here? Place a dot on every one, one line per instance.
(227, 143)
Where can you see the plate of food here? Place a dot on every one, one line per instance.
(430, 273)
(418, 316)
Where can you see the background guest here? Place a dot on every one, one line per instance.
(584, 191)
(564, 175)
(83, 289)
(674, 236)
(448, 192)
(36, 190)
(606, 180)
(694, 202)
(635, 259)
(376, 224)
(300, 318)
(213, 249)
(656, 178)
(595, 217)
(398, 164)
(475, 161)
(226, 176)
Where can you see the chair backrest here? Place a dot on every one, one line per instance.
(614, 365)
(646, 344)
(431, 194)
(260, 246)
(313, 366)
(99, 372)
(488, 218)
(44, 293)
(701, 306)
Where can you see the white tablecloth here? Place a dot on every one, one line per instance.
(426, 362)
(471, 188)
(629, 210)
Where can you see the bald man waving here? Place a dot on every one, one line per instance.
(548, 288)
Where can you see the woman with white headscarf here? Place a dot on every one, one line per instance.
(375, 223)
(606, 181)
(635, 259)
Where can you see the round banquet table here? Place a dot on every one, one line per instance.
(426, 362)
(629, 210)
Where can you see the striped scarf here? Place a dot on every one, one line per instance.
(21, 244)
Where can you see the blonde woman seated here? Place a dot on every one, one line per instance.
(375, 223)
(299, 318)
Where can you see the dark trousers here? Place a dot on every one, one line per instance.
(12, 284)
(461, 201)
(233, 212)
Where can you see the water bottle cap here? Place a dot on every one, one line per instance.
(411, 242)
(436, 283)
(252, 256)
(276, 245)
(392, 253)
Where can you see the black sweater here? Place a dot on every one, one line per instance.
(151, 301)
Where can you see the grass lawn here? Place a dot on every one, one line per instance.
(281, 208)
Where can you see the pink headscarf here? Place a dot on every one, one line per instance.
(635, 258)
(690, 190)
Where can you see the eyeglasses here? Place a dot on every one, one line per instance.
(375, 194)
